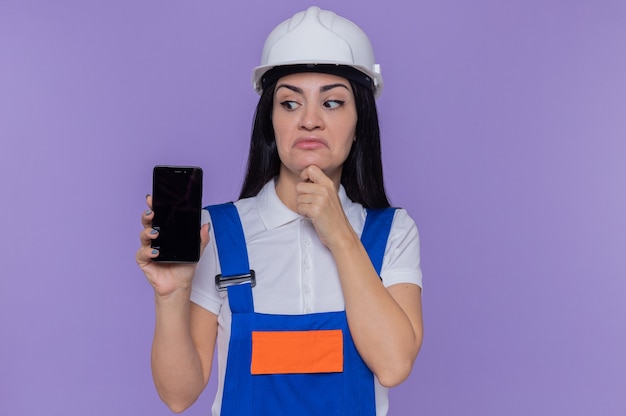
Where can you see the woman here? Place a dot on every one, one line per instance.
(325, 323)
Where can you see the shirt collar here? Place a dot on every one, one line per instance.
(274, 213)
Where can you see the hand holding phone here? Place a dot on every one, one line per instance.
(177, 206)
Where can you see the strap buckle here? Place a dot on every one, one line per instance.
(223, 282)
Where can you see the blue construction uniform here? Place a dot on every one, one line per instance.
(325, 375)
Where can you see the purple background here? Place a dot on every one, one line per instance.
(504, 135)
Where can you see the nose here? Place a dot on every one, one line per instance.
(311, 118)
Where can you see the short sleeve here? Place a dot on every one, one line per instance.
(401, 263)
(203, 292)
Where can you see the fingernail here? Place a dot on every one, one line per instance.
(148, 212)
(155, 251)
(153, 231)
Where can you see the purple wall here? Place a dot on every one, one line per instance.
(504, 128)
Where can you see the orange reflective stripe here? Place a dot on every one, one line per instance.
(297, 352)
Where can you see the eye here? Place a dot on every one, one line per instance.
(289, 105)
(333, 104)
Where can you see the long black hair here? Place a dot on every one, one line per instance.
(362, 172)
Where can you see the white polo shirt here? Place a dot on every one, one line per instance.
(295, 272)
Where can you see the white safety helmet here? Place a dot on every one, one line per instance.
(319, 37)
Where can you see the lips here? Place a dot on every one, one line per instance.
(309, 143)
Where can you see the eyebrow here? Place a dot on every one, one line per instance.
(323, 88)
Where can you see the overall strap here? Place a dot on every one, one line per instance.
(375, 233)
(233, 254)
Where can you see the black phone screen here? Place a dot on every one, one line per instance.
(177, 205)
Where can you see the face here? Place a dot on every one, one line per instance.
(314, 118)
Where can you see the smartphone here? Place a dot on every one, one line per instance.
(177, 206)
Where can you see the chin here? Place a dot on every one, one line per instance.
(324, 164)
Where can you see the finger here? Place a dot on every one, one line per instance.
(310, 210)
(146, 254)
(308, 205)
(148, 214)
(316, 193)
(305, 198)
(147, 235)
(305, 188)
(146, 218)
(313, 174)
(304, 210)
(204, 236)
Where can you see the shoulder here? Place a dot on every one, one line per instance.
(402, 263)
(247, 210)
(403, 227)
(402, 221)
